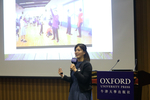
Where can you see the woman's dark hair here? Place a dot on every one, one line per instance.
(83, 47)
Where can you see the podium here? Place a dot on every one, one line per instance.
(140, 78)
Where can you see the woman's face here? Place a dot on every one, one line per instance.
(79, 53)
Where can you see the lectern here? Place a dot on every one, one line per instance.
(141, 78)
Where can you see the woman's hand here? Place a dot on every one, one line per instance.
(73, 67)
(60, 72)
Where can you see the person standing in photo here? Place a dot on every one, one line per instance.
(80, 22)
(23, 26)
(69, 23)
(55, 24)
(41, 26)
(49, 30)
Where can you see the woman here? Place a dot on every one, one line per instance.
(80, 80)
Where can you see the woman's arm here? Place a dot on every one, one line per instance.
(66, 78)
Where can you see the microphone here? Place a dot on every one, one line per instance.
(114, 65)
(74, 60)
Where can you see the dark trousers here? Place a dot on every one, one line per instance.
(41, 30)
(79, 29)
(69, 28)
(69, 25)
(55, 33)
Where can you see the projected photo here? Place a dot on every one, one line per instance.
(49, 29)
(52, 23)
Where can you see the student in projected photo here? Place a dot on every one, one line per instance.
(17, 27)
(80, 21)
(23, 26)
(80, 80)
(49, 30)
(55, 24)
(41, 26)
(69, 23)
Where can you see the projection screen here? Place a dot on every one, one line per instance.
(29, 46)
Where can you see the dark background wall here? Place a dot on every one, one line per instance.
(142, 43)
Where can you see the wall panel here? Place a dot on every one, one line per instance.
(35, 89)
(142, 10)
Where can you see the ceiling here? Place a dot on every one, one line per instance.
(32, 3)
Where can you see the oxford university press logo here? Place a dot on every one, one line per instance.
(114, 84)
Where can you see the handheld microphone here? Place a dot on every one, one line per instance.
(114, 65)
(74, 60)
